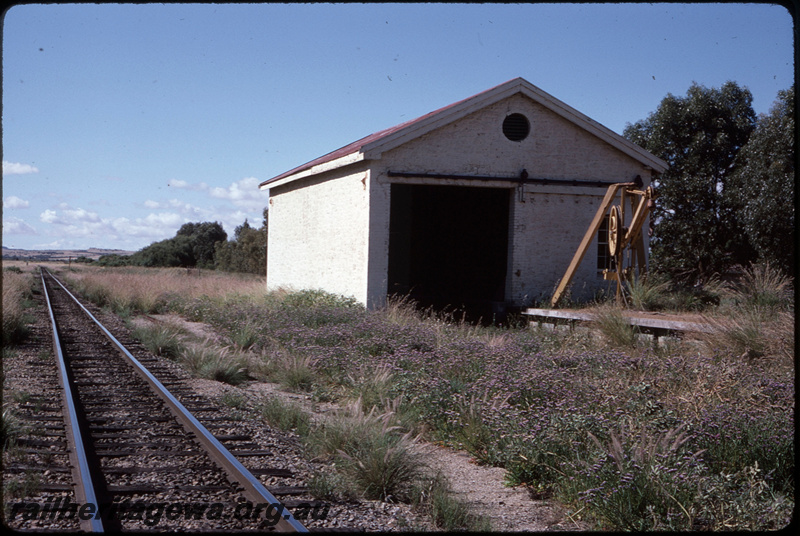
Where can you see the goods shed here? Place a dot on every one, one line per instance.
(480, 204)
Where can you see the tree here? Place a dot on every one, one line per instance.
(697, 231)
(171, 252)
(764, 183)
(193, 245)
(246, 252)
(204, 237)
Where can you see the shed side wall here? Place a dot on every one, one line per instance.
(318, 231)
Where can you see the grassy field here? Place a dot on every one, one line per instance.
(628, 435)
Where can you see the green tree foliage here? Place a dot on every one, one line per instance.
(204, 237)
(247, 252)
(764, 183)
(175, 251)
(114, 260)
(697, 230)
(193, 245)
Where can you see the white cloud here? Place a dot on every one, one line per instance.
(78, 223)
(183, 185)
(81, 215)
(16, 226)
(15, 168)
(49, 216)
(186, 209)
(164, 219)
(244, 194)
(177, 183)
(13, 201)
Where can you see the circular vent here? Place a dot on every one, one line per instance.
(516, 127)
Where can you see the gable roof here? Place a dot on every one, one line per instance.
(372, 146)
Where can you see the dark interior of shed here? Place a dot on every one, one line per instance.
(448, 248)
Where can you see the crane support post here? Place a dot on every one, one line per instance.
(611, 193)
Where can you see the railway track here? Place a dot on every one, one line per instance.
(138, 446)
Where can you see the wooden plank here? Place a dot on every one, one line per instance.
(652, 323)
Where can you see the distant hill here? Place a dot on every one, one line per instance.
(59, 254)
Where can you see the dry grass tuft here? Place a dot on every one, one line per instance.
(753, 333)
(370, 450)
(762, 287)
(16, 291)
(615, 327)
(214, 363)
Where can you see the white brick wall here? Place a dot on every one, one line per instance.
(318, 235)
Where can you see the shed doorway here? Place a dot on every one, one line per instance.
(448, 247)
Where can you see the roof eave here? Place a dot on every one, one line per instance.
(342, 161)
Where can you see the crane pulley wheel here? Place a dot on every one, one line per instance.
(615, 230)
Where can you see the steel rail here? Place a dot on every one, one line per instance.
(253, 488)
(84, 490)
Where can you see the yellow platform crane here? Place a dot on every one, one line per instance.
(625, 244)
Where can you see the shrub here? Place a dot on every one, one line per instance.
(742, 501)
(311, 299)
(733, 442)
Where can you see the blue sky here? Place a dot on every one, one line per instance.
(122, 122)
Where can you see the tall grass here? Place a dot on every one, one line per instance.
(214, 363)
(435, 496)
(285, 416)
(161, 339)
(761, 318)
(372, 452)
(615, 327)
(155, 290)
(647, 292)
(762, 287)
(11, 428)
(16, 294)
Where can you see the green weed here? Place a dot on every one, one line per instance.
(161, 339)
(285, 415)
